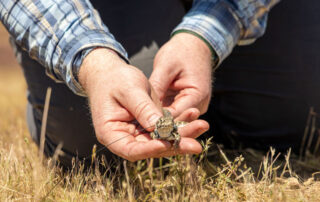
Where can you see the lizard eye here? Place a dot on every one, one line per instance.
(156, 133)
(175, 127)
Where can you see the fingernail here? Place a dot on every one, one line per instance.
(153, 119)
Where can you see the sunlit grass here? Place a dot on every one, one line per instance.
(216, 174)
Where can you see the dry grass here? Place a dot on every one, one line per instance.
(214, 175)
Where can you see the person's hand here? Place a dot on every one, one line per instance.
(182, 74)
(118, 94)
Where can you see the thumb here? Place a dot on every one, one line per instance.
(160, 80)
(139, 103)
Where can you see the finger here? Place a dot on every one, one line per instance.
(189, 146)
(155, 98)
(194, 129)
(186, 100)
(186, 146)
(182, 104)
(143, 150)
(126, 146)
(189, 115)
(161, 78)
(141, 106)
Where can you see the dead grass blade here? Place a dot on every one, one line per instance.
(44, 123)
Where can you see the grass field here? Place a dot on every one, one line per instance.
(215, 175)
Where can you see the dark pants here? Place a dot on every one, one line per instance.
(262, 93)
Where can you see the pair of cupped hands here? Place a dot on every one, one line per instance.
(120, 93)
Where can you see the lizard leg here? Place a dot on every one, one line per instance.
(177, 139)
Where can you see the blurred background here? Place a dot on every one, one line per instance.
(7, 59)
(12, 86)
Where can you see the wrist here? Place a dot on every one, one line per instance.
(95, 66)
(199, 42)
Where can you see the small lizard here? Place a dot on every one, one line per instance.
(167, 129)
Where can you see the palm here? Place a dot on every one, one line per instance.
(136, 143)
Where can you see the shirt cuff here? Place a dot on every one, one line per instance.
(72, 55)
(214, 22)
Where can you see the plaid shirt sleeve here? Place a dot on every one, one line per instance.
(225, 23)
(55, 32)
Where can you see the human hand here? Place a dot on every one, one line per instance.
(182, 74)
(118, 94)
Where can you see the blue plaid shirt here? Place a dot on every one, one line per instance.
(59, 33)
